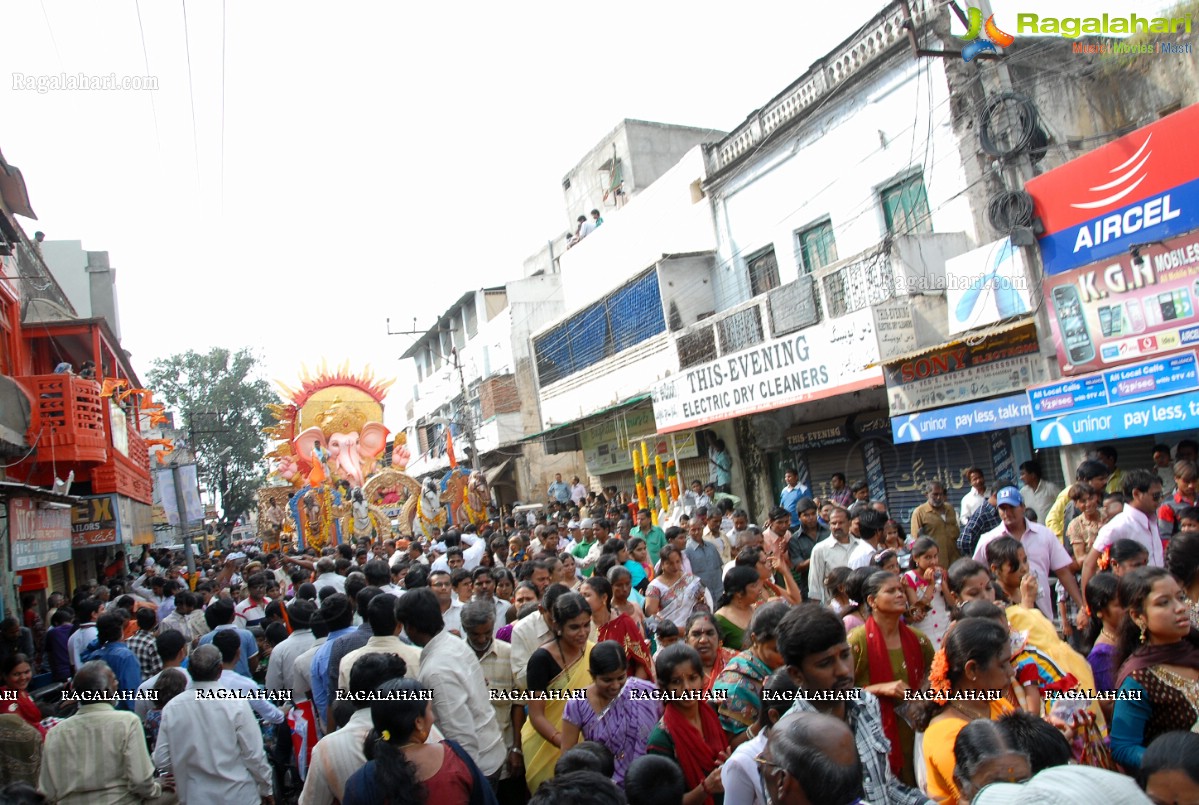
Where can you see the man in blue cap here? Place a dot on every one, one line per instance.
(1043, 549)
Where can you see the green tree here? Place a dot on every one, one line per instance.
(223, 408)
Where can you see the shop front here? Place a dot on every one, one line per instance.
(101, 525)
(1122, 291)
(958, 406)
(608, 444)
(39, 535)
(798, 400)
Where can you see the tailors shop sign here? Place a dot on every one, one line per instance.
(96, 521)
(1141, 188)
(1124, 309)
(817, 362)
(960, 372)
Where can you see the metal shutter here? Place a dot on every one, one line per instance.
(821, 464)
(908, 467)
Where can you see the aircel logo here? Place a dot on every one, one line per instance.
(1074, 27)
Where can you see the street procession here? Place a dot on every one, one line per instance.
(826, 432)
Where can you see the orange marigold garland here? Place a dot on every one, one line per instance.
(938, 676)
(1105, 559)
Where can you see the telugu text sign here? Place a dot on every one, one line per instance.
(818, 362)
(40, 536)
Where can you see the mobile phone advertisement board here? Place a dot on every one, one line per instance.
(1138, 189)
(1124, 309)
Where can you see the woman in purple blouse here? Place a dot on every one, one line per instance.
(619, 710)
(1103, 603)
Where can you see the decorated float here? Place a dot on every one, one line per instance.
(331, 483)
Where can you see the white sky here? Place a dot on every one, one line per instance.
(380, 158)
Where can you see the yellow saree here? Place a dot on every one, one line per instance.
(541, 755)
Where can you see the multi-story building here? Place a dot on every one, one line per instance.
(62, 424)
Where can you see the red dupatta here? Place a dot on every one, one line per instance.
(623, 630)
(878, 660)
(697, 754)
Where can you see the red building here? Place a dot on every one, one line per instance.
(54, 423)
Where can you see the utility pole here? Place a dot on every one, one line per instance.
(466, 412)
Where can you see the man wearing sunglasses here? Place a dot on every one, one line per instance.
(811, 759)
(1138, 522)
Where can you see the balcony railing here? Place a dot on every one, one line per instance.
(872, 41)
(68, 418)
(126, 475)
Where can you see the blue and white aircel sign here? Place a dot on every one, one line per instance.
(959, 420)
(1146, 380)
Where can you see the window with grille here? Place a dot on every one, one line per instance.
(817, 248)
(763, 272)
(905, 207)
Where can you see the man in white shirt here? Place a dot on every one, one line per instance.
(870, 530)
(385, 630)
(213, 747)
(327, 576)
(976, 494)
(1038, 494)
(833, 551)
(86, 633)
(172, 650)
(578, 492)
(280, 671)
(461, 704)
(1138, 522)
(439, 582)
(339, 754)
(180, 619)
(702, 501)
(1044, 551)
(229, 644)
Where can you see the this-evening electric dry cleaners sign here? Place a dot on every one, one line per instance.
(813, 363)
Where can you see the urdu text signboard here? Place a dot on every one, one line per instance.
(1126, 308)
(821, 361)
(1138, 189)
(1007, 363)
(40, 537)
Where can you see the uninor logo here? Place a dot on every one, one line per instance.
(983, 36)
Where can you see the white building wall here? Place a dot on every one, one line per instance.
(609, 382)
(67, 261)
(668, 217)
(876, 132)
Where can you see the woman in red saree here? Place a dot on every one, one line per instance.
(17, 673)
(689, 732)
(618, 627)
(889, 659)
(703, 635)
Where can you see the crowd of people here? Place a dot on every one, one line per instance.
(829, 656)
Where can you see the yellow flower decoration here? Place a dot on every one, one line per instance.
(386, 736)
